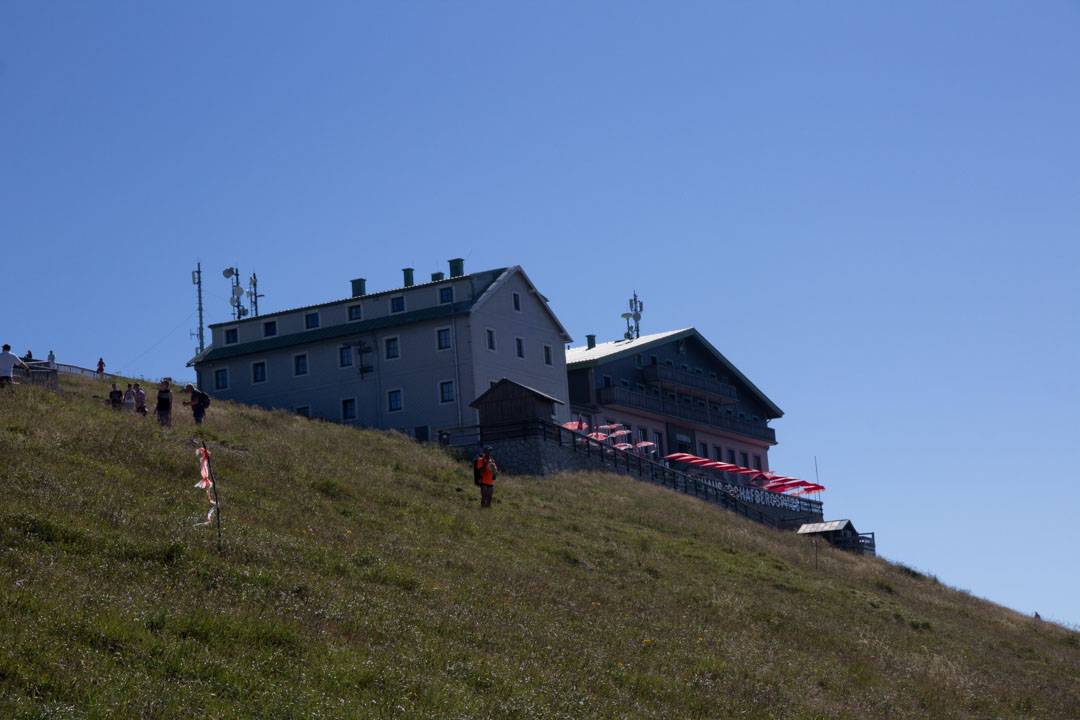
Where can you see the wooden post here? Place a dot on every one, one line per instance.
(217, 500)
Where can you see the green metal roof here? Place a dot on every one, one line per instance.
(332, 332)
(495, 273)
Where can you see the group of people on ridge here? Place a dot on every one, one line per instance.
(134, 400)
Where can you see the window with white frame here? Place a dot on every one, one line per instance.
(395, 401)
(490, 339)
(446, 391)
(345, 356)
(311, 320)
(299, 364)
(356, 312)
(547, 355)
(392, 346)
(397, 304)
(446, 295)
(270, 328)
(232, 336)
(258, 372)
(442, 339)
(348, 409)
(221, 379)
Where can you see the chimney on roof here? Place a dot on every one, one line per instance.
(590, 341)
(359, 287)
(408, 273)
(437, 276)
(457, 267)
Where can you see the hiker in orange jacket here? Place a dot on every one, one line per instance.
(484, 472)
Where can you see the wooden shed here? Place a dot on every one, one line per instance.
(508, 402)
(841, 534)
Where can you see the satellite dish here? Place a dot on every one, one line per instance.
(237, 291)
(626, 316)
(228, 272)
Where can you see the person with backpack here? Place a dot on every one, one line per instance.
(199, 402)
(484, 472)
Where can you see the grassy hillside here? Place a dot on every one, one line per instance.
(360, 579)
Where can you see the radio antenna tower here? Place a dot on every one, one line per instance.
(633, 318)
(196, 280)
(236, 297)
(253, 294)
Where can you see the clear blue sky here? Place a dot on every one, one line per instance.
(872, 208)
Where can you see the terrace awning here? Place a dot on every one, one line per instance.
(773, 481)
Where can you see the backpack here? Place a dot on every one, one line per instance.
(202, 398)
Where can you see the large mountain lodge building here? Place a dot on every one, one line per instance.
(410, 359)
(677, 390)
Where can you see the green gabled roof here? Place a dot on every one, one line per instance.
(495, 273)
(331, 332)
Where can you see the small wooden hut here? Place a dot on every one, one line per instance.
(507, 402)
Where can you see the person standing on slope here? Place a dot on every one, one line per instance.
(8, 361)
(116, 397)
(140, 400)
(101, 368)
(164, 404)
(484, 473)
(199, 402)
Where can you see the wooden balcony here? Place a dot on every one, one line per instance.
(690, 383)
(664, 406)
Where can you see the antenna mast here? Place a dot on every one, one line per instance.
(236, 298)
(196, 280)
(253, 294)
(633, 318)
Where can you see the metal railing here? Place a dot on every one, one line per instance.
(770, 508)
(665, 406)
(40, 373)
(663, 373)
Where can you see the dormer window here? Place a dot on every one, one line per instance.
(231, 336)
(397, 304)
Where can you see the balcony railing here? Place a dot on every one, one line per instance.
(690, 381)
(664, 406)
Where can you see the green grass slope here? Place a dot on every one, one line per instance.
(360, 579)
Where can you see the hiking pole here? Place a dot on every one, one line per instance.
(217, 501)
